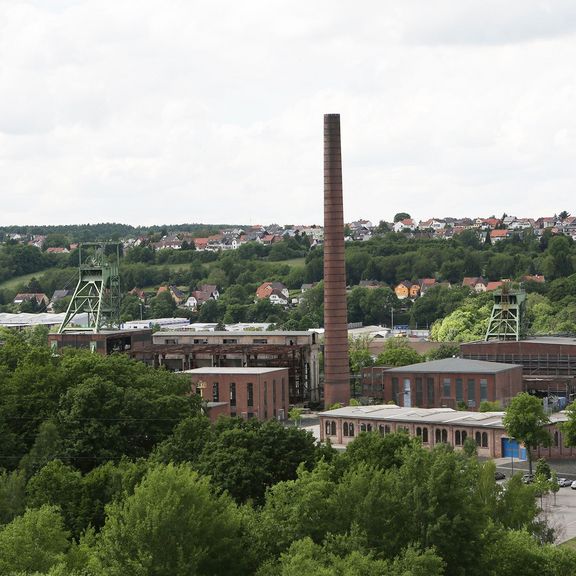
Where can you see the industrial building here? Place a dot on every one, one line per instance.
(260, 393)
(438, 426)
(446, 383)
(548, 362)
(181, 350)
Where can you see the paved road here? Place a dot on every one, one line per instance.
(561, 515)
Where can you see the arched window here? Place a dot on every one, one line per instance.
(556, 439)
(484, 439)
(425, 435)
(362, 427)
(327, 427)
(381, 429)
(333, 428)
(351, 429)
(478, 439)
(464, 435)
(346, 432)
(458, 438)
(387, 429)
(438, 436)
(369, 427)
(444, 435)
(418, 431)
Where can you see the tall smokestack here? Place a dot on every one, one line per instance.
(336, 369)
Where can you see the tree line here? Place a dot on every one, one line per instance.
(110, 467)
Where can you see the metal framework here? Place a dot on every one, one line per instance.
(263, 355)
(98, 290)
(507, 315)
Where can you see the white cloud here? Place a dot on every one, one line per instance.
(169, 111)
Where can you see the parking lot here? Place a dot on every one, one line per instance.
(560, 512)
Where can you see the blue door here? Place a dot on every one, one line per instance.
(511, 449)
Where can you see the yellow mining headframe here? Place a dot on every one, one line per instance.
(98, 290)
(507, 319)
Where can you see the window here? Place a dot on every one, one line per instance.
(478, 439)
(556, 439)
(362, 427)
(386, 429)
(250, 391)
(444, 435)
(395, 390)
(484, 439)
(425, 435)
(229, 340)
(458, 438)
(283, 390)
(368, 427)
(419, 392)
(418, 431)
(170, 341)
(381, 429)
(464, 436)
(430, 391)
(232, 394)
(260, 341)
(333, 428)
(348, 429)
(459, 390)
(200, 340)
(438, 437)
(483, 390)
(265, 393)
(327, 428)
(446, 392)
(215, 392)
(471, 392)
(274, 392)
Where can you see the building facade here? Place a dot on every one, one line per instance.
(446, 383)
(439, 426)
(260, 393)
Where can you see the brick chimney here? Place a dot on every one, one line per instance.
(336, 368)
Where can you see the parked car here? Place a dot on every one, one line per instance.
(563, 482)
(573, 485)
(499, 475)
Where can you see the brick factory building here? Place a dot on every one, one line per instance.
(181, 350)
(438, 426)
(443, 383)
(104, 342)
(548, 362)
(260, 393)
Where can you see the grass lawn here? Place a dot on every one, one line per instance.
(13, 283)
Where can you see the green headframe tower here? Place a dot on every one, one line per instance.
(507, 319)
(98, 290)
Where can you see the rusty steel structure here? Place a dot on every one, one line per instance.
(182, 357)
(336, 366)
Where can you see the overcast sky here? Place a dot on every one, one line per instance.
(172, 111)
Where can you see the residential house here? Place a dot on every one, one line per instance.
(171, 242)
(139, 293)
(495, 285)
(177, 295)
(204, 293)
(266, 289)
(425, 284)
(488, 223)
(498, 235)
(402, 290)
(432, 224)
(57, 250)
(403, 224)
(58, 295)
(40, 298)
(478, 284)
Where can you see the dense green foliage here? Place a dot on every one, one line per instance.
(109, 468)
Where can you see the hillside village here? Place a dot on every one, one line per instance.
(487, 231)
